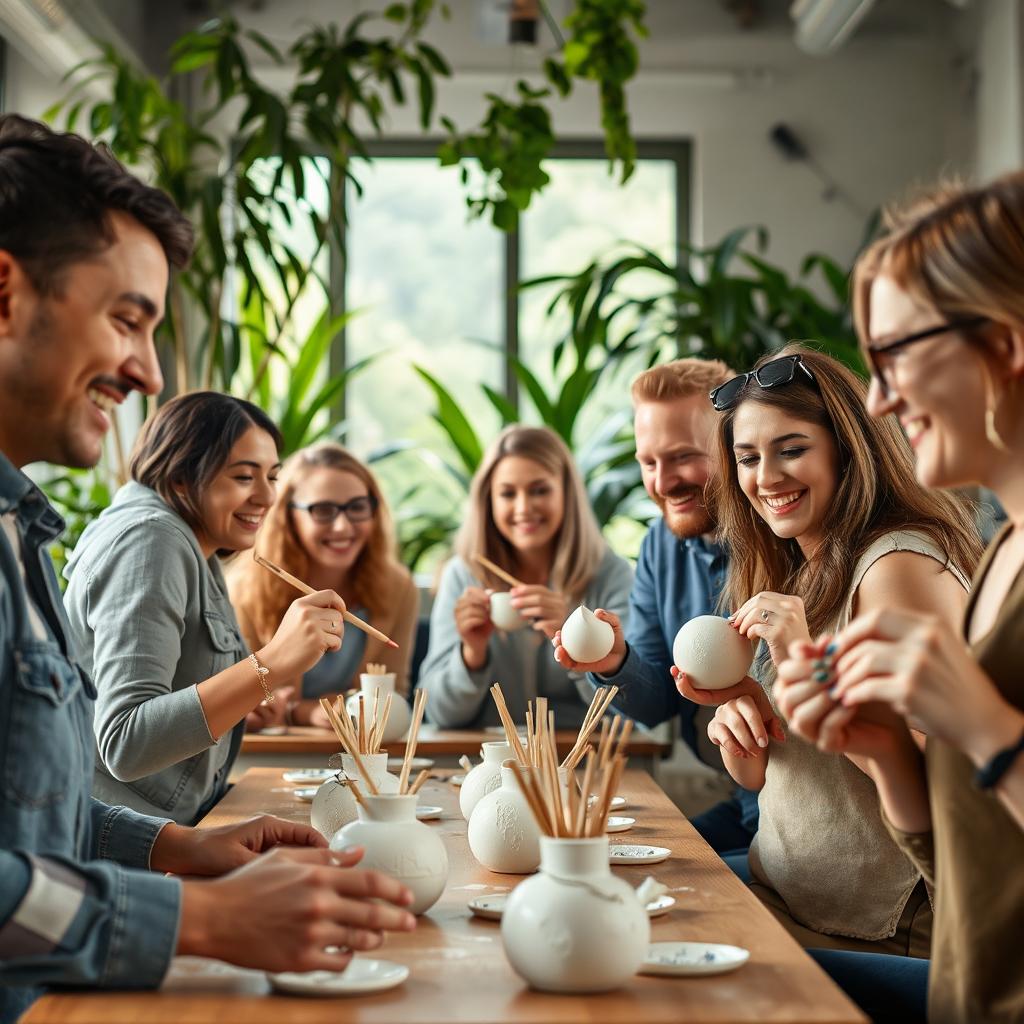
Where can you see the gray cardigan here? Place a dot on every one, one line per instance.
(150, 618)
(523, 661)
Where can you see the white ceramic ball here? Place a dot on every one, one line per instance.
(711, 653)
(585, 637)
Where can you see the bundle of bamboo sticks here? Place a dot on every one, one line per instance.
(571, 812)
(376, 668)
(352, 739)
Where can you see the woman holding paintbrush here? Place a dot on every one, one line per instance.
(330, 526)
(150, 614)
(528, 531)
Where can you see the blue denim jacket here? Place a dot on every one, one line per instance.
(72, 909)
(676, 580)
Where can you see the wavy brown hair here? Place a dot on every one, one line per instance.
(876, 492)
(579, 546)
(263, 598)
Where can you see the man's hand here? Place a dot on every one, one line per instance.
(609, 664)
(215, 851)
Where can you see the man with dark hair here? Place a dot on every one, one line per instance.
(84, 255)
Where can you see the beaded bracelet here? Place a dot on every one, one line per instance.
(261, 673)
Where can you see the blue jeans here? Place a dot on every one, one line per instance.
(729, 826)
(889, 989)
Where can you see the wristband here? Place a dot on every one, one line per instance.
(261, 673)
(989, 776)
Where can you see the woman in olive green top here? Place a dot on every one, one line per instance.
(940, 309)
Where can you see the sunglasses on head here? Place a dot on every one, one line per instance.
(774, 374)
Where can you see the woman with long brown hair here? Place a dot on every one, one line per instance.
(529, 514)
(939, 309)
(331, 527)
(824, 520)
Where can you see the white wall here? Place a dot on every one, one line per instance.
(999, 135)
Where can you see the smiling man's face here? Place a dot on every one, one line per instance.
(67, 359)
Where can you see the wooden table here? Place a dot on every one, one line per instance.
(459, 974)
(306, 747)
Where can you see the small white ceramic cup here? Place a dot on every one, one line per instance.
(503, 615)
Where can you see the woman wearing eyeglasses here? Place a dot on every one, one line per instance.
(823, 518)
(939, 309)
(150, 615)
(529, 514)
(329, 526)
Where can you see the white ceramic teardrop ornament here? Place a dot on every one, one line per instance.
(711, 653)
(585, 637)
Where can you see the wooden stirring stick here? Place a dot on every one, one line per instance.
(307, 589)
(499, 572)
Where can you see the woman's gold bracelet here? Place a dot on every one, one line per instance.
(261, 673)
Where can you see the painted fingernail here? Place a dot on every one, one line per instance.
(831, 649)
(821, 677)
(762, 742)
(833, 691)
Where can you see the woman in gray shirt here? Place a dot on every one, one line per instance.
(528, 513)
(151, 617)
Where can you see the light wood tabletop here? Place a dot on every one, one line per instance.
(459, 972)
(432, 742)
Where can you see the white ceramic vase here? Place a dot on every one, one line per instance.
(575, 927)
(334, 806)
(503, 834)
(399, 717)
(503, 615)
(484, 777)
(400, 846)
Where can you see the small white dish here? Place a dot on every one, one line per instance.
(305, 793)
(660, 905)
(416, 765)
(617, 803)
(457, 780)
(359, 977)
(627, 853)
(687, 958)
(616, 824)
(274, 730)
(490, 908)
(429, 813)
(309, 776)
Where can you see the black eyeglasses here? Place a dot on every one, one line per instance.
(876, 353)
(358, 510)
(773, 374)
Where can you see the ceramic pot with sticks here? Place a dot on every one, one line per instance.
(334, 804)
(376, 685)
(503, 835)
(484, 777)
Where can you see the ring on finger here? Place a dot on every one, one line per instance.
(764, 614)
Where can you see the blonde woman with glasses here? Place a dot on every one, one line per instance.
(331, 527)
(529, 514)
(939, 308)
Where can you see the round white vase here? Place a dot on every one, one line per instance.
(334, 806)
(400, 846)
(484, 777)
(400, 715)
(575, 927)
(503, 834)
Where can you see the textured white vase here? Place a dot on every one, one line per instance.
(334, 806)
(484, 777)
(503, 834)
(400, 846)
(574, 926)
(399, 717)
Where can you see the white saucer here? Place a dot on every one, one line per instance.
(614, 824)
(309, 776)
(660, 905)
(360, 976)
(492, 907)
(274, 730)
(626, 853)
(429, 813)
(678, 958)
(417, 764)
(305, 793)
(457, 780)
(617, 802)
(489, 907)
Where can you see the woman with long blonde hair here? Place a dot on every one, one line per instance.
(819, 507)
(330, 526)
(529, 514)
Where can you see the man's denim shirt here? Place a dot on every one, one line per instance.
(676, 580)
(74, 908)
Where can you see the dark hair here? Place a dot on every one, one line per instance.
(187, 443)
(57, 192)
